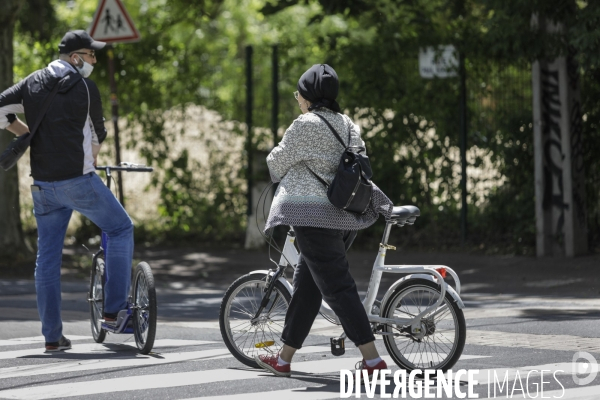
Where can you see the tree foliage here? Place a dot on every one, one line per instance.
(193, 52)
(12, 245)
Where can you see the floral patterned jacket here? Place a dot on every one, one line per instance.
(301, 199)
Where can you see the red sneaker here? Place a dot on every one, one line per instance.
(363, 365)
(269, 362)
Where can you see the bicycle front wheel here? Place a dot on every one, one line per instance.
(144, 308)
(245, 336)
(443, 340)
(96, 299)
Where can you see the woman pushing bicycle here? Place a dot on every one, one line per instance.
(309, 154)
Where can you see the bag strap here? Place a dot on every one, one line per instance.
(337, 136)
(349, 132)
(316, 176)
(46, 104)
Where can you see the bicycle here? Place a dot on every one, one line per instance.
(420, 316)
(141, 304)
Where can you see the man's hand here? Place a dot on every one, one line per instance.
(18, 127)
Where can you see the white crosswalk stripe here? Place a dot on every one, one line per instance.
(117, 362)
(36, 339)
(160, 380)
(119, 356)
(171, 380)
(130, 361)
(101, 348)
(582, 393)
(128, 384)
(289, 394)
(77, 379)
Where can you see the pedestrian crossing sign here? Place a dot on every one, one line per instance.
(112, 23)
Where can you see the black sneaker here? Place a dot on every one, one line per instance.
(62, 344)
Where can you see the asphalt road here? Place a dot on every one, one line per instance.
(522, 315)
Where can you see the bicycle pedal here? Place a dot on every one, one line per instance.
(262, 345)
(337, 346)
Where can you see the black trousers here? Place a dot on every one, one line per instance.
(323, 272)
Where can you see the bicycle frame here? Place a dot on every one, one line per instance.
(104, 236)
(104, 241)
(290, 256)
(108, 171)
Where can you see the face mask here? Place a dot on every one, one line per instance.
(86, 70)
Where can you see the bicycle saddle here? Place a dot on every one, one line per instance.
(405, 214)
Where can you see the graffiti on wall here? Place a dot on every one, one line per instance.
(554, 198)
(577, 149)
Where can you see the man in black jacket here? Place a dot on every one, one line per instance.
(63, 157)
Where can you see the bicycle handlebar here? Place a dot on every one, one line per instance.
(125, 167)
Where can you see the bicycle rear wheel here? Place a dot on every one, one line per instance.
(243, 336)
(144, 308)
(96, 299)
(445, 330)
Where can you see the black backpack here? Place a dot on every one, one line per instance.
(351, 188)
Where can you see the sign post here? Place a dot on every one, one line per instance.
(112, 24)
(114, 105)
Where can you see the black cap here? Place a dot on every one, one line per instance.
(320, 85)
(75, 40)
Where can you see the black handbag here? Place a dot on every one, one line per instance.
(351, 189)
(19, 145)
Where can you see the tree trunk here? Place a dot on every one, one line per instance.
(12, 244)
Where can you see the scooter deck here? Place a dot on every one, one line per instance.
(125, 327)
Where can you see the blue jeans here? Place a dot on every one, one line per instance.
(53, 204)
